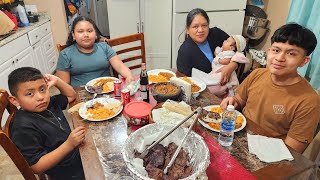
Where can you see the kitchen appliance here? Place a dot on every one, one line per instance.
(227, 15)
(33, 18)
(255, 25)
(94, 9)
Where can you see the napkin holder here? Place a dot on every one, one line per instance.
(185, 86)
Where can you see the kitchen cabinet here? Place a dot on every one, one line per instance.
(153, 18)
(42, 42)
(35, 48)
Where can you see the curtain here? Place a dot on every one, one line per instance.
(306, 13)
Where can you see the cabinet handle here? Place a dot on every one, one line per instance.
(17, 60)
(138, 27)
(12, 62)
(36, 36)
(142, 29)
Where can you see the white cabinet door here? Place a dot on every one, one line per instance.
(156, 21)
(24, 59)
(153, 18)
(124, 17)
(40, 58)
(5, 70)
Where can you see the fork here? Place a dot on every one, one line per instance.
(91, 103)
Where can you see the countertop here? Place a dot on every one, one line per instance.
(43, 18)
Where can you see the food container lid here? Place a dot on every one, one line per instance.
(137, 109)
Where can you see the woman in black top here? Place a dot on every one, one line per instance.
(198, 34)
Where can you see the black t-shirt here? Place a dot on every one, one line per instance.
(36, 134)
(190, 56)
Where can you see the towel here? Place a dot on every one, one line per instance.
(268, 149)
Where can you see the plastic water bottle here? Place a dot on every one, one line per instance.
(22, 15)
(227, 126)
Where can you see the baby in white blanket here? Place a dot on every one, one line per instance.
(231, 50)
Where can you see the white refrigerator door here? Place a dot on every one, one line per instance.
(229, 21)
(124, 17)
(208, 5)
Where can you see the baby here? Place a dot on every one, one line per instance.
(231, 50)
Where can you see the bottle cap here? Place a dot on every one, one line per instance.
(230, 108)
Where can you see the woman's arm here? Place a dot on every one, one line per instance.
(121, 68)
(226, 72)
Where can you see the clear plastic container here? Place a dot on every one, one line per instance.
(22, 15)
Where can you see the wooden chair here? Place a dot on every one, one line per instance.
(128, 50)
(17, 158)
(61, 47)
(11, 149)
(6, 104)
(5, 141)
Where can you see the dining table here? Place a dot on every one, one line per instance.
(101, 152)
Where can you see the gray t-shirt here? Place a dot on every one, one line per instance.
(85, 67)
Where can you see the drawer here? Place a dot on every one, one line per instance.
(14, 47)
(48, 44)
(52, 62)
(35, 35)
(46, 28)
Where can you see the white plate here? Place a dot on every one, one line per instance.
(92, 82)
(157, 71)
(198, 82)
(104, 101)
(208, 108)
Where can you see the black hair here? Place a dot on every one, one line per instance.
(70, 40)
(21, 75)
(297, 35)
(192, 14)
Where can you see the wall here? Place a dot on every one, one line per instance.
(55, 8)
(277, 12)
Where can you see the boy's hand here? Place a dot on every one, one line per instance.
(226, 101)
(51, 80)
(76, 137)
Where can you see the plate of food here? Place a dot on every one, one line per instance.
(160, 75)
(100, 109)
(105, 84)
(212, 116)
(197, 85)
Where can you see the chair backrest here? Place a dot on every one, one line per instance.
(6, 104)
(16, 157)
(61, 47)
(128, 51)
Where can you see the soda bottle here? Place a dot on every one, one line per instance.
(144, 82)
(227, 126)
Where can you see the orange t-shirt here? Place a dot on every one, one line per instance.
(292, 110)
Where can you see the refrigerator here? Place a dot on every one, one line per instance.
(95, 9)
(227, 15)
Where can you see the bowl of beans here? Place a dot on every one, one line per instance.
(166, 90)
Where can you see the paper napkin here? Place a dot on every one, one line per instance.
(268, 149)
